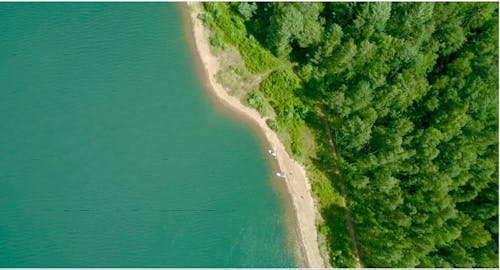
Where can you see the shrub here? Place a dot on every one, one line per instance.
(256, 100)
(280, 87)
(257, 59)
(217, 41)
(273, 124)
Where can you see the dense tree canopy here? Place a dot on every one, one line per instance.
(411, 92)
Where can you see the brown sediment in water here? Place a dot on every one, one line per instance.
(298, 186)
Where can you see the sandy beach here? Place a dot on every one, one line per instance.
(297, 183)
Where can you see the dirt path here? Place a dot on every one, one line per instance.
(345, 198)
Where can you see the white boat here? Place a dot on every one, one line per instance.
(271, 152)
(281, 174)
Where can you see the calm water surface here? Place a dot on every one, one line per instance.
(111, 154)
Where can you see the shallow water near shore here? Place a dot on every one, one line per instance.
(113, 156)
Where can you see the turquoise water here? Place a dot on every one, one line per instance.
(112, 155)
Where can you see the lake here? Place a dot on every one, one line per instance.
(113, 155)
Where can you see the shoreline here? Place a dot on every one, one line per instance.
(297, 183)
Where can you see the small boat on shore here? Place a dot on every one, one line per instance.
(271, 152)
(281, 174)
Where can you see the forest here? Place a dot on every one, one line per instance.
(409, 93)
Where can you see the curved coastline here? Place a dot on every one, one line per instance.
(297, 183)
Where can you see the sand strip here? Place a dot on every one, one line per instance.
(297, 183)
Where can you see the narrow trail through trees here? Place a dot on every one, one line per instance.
(345, 198)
